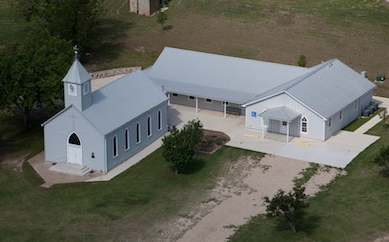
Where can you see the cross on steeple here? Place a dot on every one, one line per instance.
(76, 49)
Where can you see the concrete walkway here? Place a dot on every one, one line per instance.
(338, 151)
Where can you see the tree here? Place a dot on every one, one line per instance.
(31, 72)
(179, 146)
(382, 159)
(73, 20)
(161, 18)
(290, 206)
(302, 61)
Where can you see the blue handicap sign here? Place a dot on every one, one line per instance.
(253, 114)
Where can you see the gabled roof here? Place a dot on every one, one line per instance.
(280, 113)
(123, 100)
(224, 78)
(328, 88)
(77, 74)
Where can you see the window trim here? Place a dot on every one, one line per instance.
(86, 88)
(149, 126)
(115, 149)
(159, 116)
(138, 133)
(126, 139)
(70, 92)
(304, 128)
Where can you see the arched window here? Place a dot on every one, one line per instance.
(149, 128)
(74, 140)
(126, 140)
(159, 120)
(138, 132)
(115, 146)
(304, 125)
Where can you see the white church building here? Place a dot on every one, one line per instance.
(101, 129)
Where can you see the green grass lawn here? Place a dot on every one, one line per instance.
(352, 208)
(131, 207)
(361, 121)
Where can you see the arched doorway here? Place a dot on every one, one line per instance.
(74, 149)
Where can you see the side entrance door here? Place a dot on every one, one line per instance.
(283, 127)
(74, 149)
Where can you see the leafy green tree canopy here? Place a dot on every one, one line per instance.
(161, 18)
(179, 147)
(77, 21)
(31, 71)
(289, 206)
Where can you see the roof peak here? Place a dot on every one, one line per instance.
(77, 73)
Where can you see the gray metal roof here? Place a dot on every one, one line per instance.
(281, 114)
(123, 100)
(77, 74)
(223, 78)
(329, 88)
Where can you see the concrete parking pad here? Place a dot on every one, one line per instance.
(338, 151)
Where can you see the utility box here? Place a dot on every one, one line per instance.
(380, 77)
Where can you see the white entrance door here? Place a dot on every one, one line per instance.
(283, 127)
(74, 150)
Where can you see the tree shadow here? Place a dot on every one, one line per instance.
(308, 226)
(192, 167)
(107, 43)
(167, 27)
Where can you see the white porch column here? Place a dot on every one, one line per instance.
(197, 104)
(168, 99)
(263, 127)
(225, 109)
(287, 132)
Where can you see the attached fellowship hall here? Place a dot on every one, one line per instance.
(101, 129)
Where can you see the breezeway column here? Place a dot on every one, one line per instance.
(197, 105)
(168, 99)
(287, 132)
(225, 109)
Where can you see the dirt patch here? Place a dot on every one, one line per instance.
(213, 140)
(241, 189)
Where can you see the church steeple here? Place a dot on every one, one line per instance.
(77, 86)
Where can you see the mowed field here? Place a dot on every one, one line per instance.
(136, 205)
(354, 31)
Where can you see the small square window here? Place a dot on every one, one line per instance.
(86, 88)
(208, 100)
(284, 123)
(330, 122)
(191, 98)
(226, 103)
(174, 94)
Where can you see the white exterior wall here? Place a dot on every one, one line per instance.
(315, 123)
(349, 114)
(57, 131)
